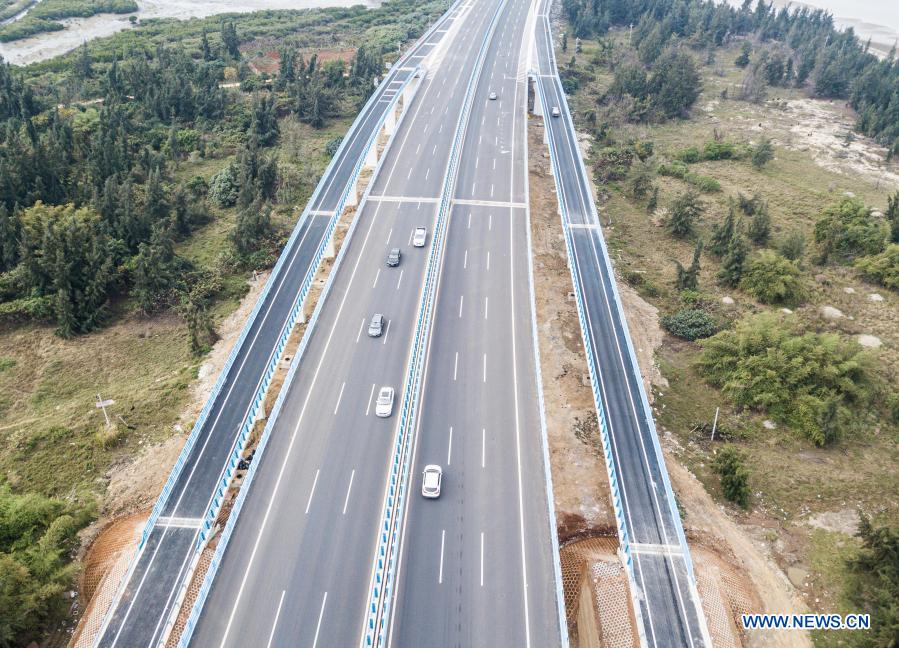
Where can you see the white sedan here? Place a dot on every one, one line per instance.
(430, 481)
(384, 404)
(419, 237)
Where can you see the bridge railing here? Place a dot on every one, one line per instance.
(387, 550)
(227, 532)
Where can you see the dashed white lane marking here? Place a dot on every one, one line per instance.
(339, 396)
(482, 559)
(400, 280)
(370, 397)
(271, 636)
(377, 274)
(442, 543)
(483, 447)
(449, 450)
(461, 301)
(312, 492)
(318, 626)
(456, 366)
(349, 488)
(465, 261)
(485, 367)
(359, 334)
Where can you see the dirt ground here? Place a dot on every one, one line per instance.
(580, 484)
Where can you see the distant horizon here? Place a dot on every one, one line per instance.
(872, 19)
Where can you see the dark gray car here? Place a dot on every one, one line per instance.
(393, 257)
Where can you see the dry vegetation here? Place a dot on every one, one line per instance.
(804, 498)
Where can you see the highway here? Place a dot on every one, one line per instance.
(477, 564)
(669, 607)
(299, 562)
(147, 597)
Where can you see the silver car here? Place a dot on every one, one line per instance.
(384, 404)
(376, 326)
(419, 237)
(430, 481)
(555, 111)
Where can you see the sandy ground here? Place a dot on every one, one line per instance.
(79, 30)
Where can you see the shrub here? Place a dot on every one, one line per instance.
(873, 582)
(225, 187)
(689, 155)
(762, 153)
(728, 464)
(882, 268)
(793, 246)
(612, 163)
(720, 151)
(38, 536)
(847, 230)
(816, 383)
(690, 324)
(772, 279)
(685, 211)
(734, 259)
(674, 170)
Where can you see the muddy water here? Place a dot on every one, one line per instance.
(78, 30)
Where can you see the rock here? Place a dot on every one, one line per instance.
(870, 341)
(876, 214)
(849, 290)
(769, 425)
(849, 194)
(875, 297)
(822, 279)
(831, 313)
(786, 311)
(727, 300)
(797, 576)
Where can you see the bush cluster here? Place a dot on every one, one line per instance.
(690, 324)
(816, 383)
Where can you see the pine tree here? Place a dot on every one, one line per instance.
(685, 211)
(892, 215)
(688, 278)
(231, 40)
(84, 63)
(722, 234)
(759, 229)
(204, 45)
(734, 260)
(743, 59)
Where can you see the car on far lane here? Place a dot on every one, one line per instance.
(430, 481)
(419, 237)
(384, 404)
(555, 111)
(492, 96)
(376, 327)
(393, 257)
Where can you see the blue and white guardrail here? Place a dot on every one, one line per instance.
(387, 551)
(647, 411)
(206, 586)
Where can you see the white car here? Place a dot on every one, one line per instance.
(419, 237)
(384, 404)
(492, 96)
(555, 111)
(430, 481)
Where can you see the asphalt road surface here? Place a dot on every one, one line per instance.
(477, 565)
(298, 565)
(161, 566)
(668, 604)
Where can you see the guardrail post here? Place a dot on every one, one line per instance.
(390, 121)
